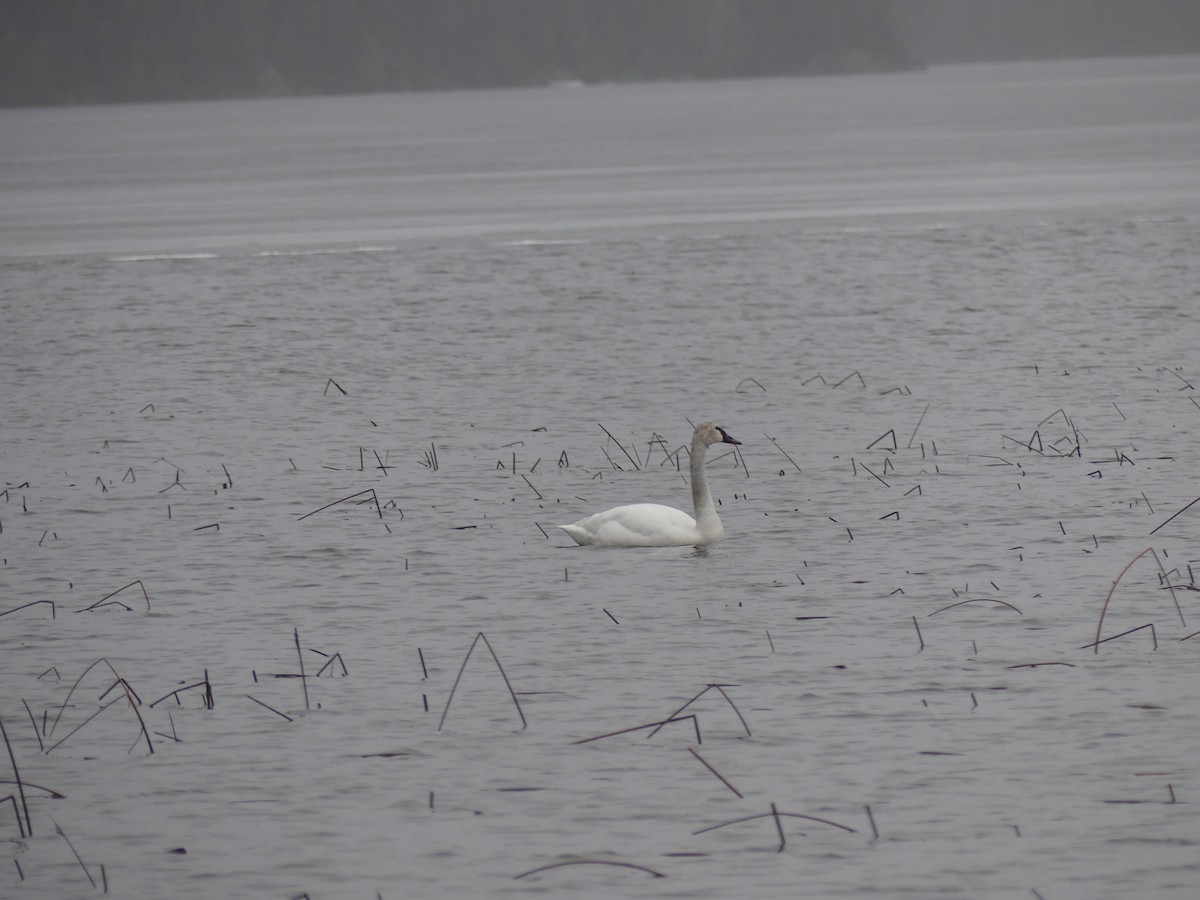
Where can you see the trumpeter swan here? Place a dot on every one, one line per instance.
(655, 525)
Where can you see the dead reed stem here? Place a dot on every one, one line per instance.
(919, 421)
(781, 450)
(978, 600)
(1150, 625)
(776, 815)
(12, 758)
(1100, 624)
(134, 702)
(655, 725)
(369, 493)
(33, 722)
(591, 862)
(106, 599)
(53, 611)
(1173, 515)
(271, 708)
(871, 819)
(78, 858)
(720, 689)
(622, 446)
(9, 798)
(704, 762)
(463, 667)
(128, 693)
(300, 656)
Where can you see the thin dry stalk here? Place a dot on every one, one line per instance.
(9, 798)
(781, 450)
(127, 693)
(78, 858)
(1173, 515)
(591, 862)
(622, 446)
(271, 708)
(463, 667)
(103, 601)
(725, 781)
(12, 757)
(1100, 624)
(53, 611)
(720, 689)
(300, 656)
(655, 725)
(978, 600)
(369, 493)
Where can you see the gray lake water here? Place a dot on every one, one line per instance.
(952, 316)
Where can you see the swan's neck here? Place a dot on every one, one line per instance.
(707, 522)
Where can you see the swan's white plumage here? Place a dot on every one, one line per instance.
(635, 525)
(655, 525)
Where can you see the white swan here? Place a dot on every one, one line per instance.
(654, 525)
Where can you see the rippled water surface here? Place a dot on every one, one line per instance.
(953, 318)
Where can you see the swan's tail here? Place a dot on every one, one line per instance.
(578, 535)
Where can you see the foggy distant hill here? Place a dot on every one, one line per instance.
(89, 51)
(81, 51)
(987, 30)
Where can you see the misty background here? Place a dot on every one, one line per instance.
(81, 51)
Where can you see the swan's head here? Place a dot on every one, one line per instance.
(712, 433)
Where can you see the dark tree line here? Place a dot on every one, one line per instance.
(83, 51)
(980, 30)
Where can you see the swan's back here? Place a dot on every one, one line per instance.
(636, 525)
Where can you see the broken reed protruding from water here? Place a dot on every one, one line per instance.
(106, 600)
(32, 721)
(53, 609)
(589, 862)
(915, 430)
(623, 450)
(478, 637)
(336, 658)
(1173, 515)
(271, 708)
(369, 493)
(890, 432)
(1104, 609)
(978, 600)
(300, 656)
(1150, 625)
(676, 717)
(781, 450)
(720, 777)
(134, 702)
(12, 758)
(776, 815)
(429, 458)
(9, 798)
(720, 688)
(128, 693)
(655, 725)
(917, 626)
(78, 858)
(208, 693)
